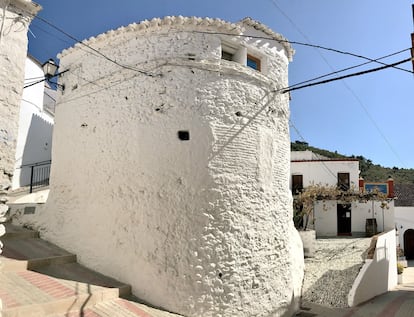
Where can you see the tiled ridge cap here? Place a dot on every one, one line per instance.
(186, 23)
(275, 36)
(327, 160)
(195, 23)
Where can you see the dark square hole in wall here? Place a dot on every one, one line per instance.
(29, 210)
(184, 135)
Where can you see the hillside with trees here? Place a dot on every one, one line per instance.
(369, 171)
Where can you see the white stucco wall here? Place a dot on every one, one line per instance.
(200, 227)
(16, 16)
(34, 140)
(378, 275)
(13, 50)
(325, 172)
(326, 222)
(404, 220)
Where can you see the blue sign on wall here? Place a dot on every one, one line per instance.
(380, 187)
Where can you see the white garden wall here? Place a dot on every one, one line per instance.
(378, 275)
(202, 227)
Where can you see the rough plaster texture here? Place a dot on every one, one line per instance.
(15, 18)
(201, 227)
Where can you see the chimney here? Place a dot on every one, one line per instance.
(390, 183)
(361, 185)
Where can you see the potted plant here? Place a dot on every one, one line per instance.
(400, 270)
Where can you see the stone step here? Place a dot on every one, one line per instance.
(118, 308)
(77, 272)
(29, 253)
(13, 231)
(28, 293)
(37, 278)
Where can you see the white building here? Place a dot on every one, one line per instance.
(34, 139)
(404, 218)
(171, 166)
(332, 218)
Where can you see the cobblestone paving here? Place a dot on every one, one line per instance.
(329, 275)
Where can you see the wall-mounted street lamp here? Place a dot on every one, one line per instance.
(49, 69)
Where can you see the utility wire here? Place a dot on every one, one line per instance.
(218, 33)
(347, 87)
(62, 40)
(274, 2)
(289, 89)
(349, 68)
(93, 49)
(34, 83)
(303, 139)
(340, 78)
(304, 44)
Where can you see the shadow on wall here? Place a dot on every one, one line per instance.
(37, 148)
(332, 288)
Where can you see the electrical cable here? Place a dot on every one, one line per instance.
(361, 104)
(289, 89)
(95, 50)
(62, 40)
(291, 42)
(34, 78)
(349, 68)
(6, 4)
(304, 44)
(303, 139)
(307, 39)
(34, 83)
(218, 33)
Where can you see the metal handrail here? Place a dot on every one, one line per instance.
(37, 163)
(39, 174)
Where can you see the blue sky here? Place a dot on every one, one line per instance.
(368, 115)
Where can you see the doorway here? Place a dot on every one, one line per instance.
(344, 219)
(409, 244)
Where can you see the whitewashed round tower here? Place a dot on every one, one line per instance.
(171, 165)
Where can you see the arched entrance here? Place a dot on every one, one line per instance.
(409, 244)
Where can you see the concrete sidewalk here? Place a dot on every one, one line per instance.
(39, 279)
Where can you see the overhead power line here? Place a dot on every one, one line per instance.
(91, 48)
(304, 44)
(218, 33)
(349, 68)
(359, 101)
(289, 89)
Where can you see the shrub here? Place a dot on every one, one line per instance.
(400, 268)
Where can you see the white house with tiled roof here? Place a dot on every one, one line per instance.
(337, 218)
(171, 166)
